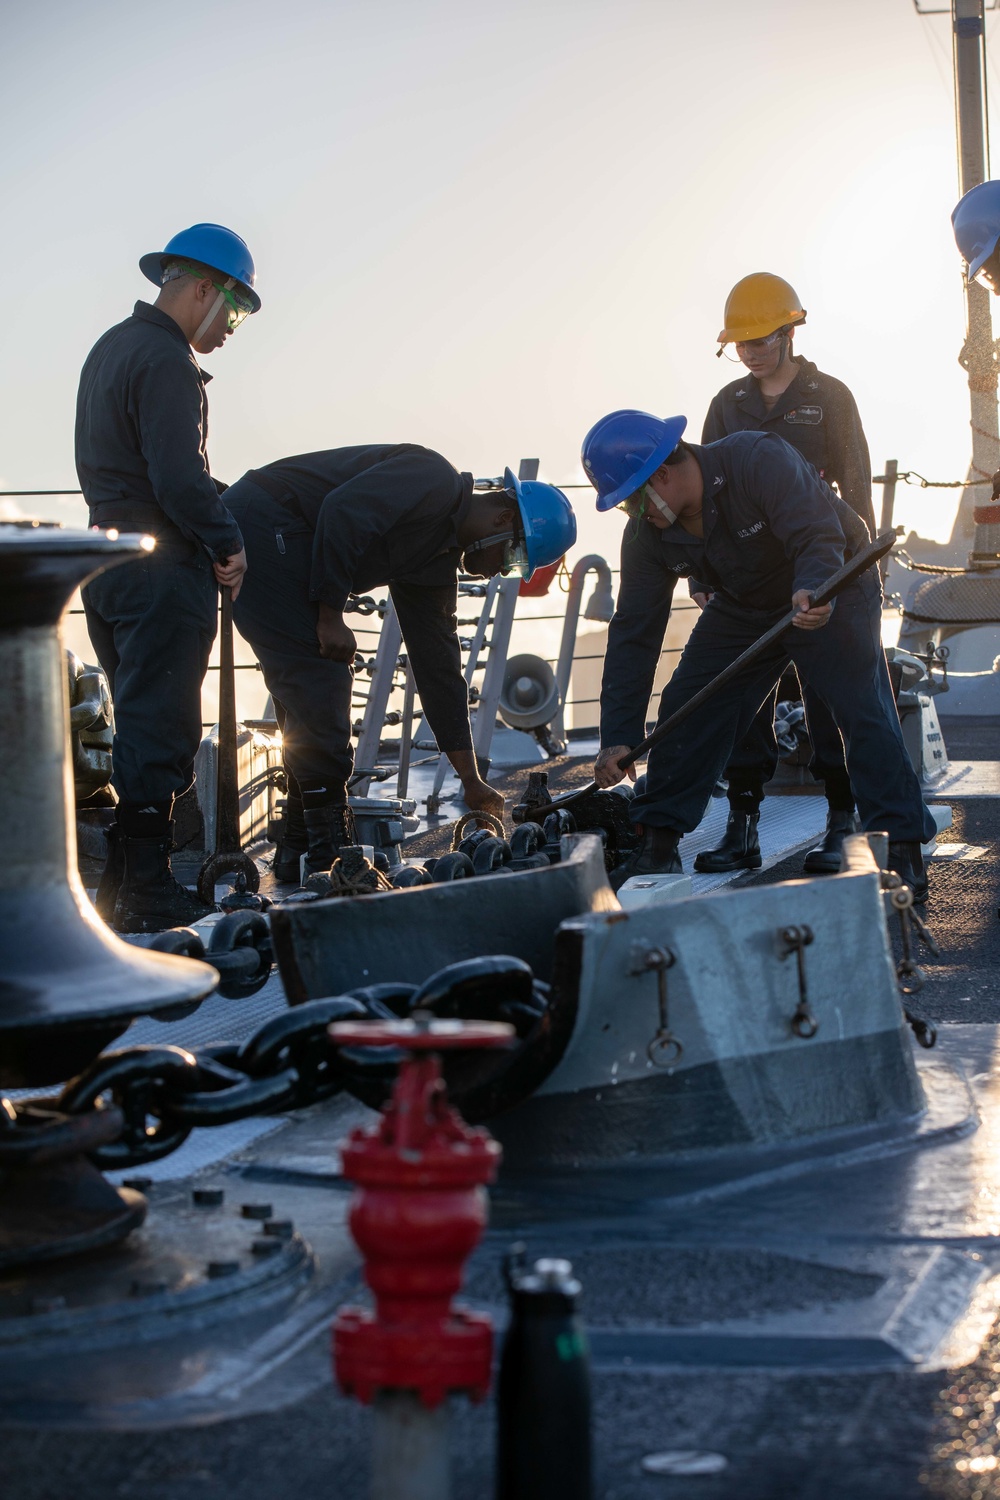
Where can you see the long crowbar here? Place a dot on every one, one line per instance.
(859, 563)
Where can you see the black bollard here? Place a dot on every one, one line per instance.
(543, 1397)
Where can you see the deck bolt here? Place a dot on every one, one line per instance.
(266, 1246)
(282, 1229)
(207, 1197)
(257, 1211)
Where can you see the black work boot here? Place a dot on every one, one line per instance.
(657, 856)
(825, 859)
(112, 875)
(329, 829)
(740, 847)
(292, 844)
(150, 899)
(907, 859)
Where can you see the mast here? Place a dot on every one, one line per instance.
(978, 356)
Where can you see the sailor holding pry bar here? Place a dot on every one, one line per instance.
(748, 516)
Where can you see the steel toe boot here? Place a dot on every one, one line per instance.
(739, 850)
(292, 844)
(150, 899)
(112, 875)
(907, 859)
(825, 860)
(329, 829)
(656, 856)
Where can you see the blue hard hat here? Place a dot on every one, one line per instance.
(210, 245)
(976, 222)
(623, 449)
(547, 519)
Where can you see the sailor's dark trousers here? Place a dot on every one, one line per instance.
(759, 749)
(276, 616)
(843, 663)
(152, 623)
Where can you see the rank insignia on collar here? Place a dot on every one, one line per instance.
(719, 479)
(812, 385)
(738, 395)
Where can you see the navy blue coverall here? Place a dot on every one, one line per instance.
(141, 434)
(819, 417)
(320, 526)
(771, 527)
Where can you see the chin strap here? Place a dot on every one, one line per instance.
(213, 312)
(484, 545)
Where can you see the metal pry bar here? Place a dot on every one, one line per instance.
(860, 563)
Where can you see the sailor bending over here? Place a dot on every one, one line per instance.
(320, 526)
(749, 517)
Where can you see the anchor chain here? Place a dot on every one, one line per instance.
(796, 940)
(135, 1105)
(238, 948)
(164, 1092)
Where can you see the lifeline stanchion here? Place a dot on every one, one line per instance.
(417, 1214)
(227, 858)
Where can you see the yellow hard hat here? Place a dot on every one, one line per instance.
(758, 305)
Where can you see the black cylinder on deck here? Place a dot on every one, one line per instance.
(543, 1399)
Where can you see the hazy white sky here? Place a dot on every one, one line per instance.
(480, 224)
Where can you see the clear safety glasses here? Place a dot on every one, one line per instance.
(238, 306)
(760, 346)
(636, 505)
(515, 558)
(751, 346)
(237, 303)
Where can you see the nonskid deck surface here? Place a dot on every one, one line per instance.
(795, 1323)
(811, 1324)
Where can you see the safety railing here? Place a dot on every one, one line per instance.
(368, 634)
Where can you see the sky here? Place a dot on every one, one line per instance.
(481, 225)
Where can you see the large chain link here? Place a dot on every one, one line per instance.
(238, 947)
(164, 1092)
(154, 1096)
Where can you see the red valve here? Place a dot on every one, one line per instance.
(418, 1213)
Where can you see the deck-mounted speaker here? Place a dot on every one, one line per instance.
(68, 986)
(530, 696)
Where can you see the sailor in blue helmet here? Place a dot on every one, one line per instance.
(749, 517)
(141, 436)
(320, 526)
(976, 222)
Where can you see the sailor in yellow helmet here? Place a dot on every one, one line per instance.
(783, 393)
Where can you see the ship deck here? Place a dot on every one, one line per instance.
(827, 1325)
